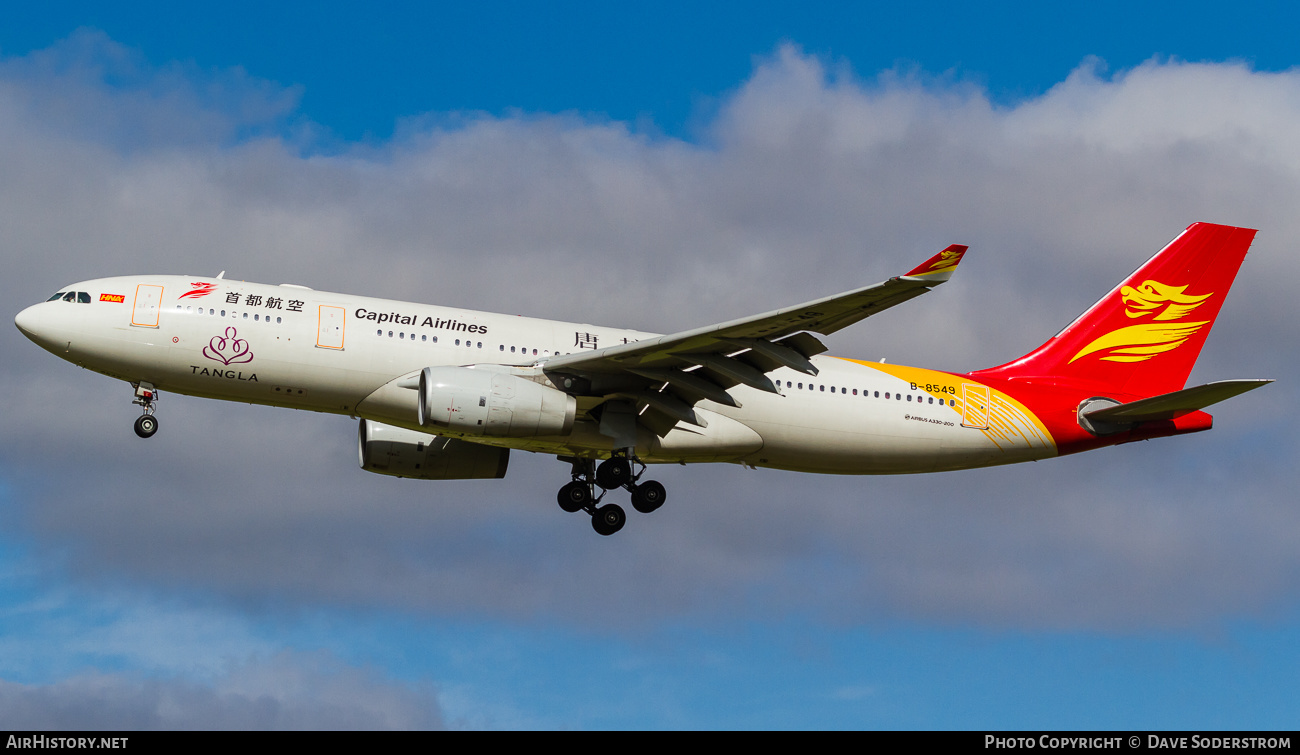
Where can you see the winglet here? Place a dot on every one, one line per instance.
(939, 268)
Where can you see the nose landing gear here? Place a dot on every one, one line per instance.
(615, 472)
(145, 397)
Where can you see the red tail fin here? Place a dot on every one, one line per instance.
(1143, 337)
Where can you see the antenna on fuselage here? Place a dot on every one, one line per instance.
(221, 275)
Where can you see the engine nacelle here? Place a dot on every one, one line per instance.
(494, 404)
(399, 452)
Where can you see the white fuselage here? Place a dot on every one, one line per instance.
(353, 355)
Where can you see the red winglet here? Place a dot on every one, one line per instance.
(940, 265)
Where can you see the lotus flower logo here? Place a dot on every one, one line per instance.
(228, 349)
(1138, 343)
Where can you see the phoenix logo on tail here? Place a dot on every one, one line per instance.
(1138, 343)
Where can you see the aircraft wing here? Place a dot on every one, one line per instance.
(668, 375)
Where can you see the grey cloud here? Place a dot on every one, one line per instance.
(289, 691)
(807, 183)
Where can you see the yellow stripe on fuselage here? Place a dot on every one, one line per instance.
(1010, 423)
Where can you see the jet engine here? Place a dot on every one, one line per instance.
(476, 401)
(395, 451)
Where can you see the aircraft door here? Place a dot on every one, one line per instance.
(148, 299)
(330, 326)
(975, 406)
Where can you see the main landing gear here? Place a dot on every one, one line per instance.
(616, 472)
(145, 397)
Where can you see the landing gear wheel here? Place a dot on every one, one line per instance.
(648, 496)
(575, 496)
(146, 425)
(614, 473)
(608, 519)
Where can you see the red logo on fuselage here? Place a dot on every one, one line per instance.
(200, 289)
(119, 298)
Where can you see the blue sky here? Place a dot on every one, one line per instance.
(481, 156)
(361, 69)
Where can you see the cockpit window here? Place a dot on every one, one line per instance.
(73, 296)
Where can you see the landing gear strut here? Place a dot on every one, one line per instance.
(616, 472)
(145, 397)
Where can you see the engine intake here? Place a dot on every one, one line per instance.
(396, 451)
(495, 404)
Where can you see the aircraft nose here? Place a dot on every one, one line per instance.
(35, 325)
(26, 321)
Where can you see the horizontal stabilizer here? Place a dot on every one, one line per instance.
(1172, 405)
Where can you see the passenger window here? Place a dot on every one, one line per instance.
(457, 341)
(886, 394)
(878, 394)
(379, 333)
(512, 349)
(435, 339)
(423, 338)
(855, 391)
(83, 297)
(909, 397)
(502, 347)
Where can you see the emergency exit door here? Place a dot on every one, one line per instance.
(148, 298)
(329, 329)
(975, 406)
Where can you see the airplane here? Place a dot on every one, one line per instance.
(444, 393)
